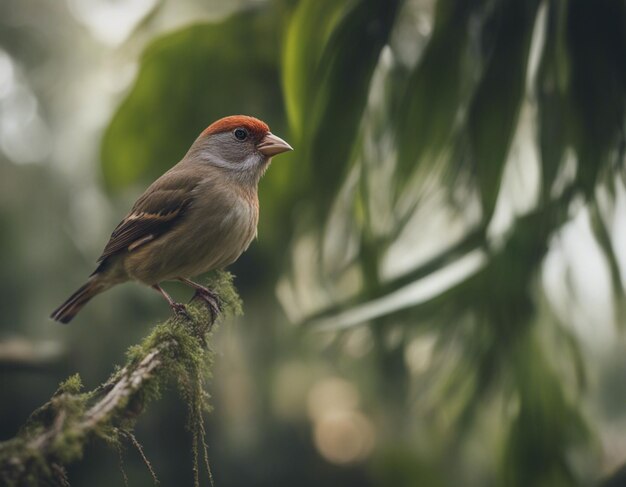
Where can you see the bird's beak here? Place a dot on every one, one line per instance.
(271, 145)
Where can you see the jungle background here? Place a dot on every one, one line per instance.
(436, 294)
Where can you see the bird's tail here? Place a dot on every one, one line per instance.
(66, 312)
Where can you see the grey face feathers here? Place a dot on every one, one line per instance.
(240, 144)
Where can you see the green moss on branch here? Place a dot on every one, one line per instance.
(56, 434)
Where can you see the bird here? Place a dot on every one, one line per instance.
(199, 216)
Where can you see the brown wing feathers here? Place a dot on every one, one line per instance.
(153, 214)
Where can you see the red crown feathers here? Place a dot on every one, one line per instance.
(253, 125)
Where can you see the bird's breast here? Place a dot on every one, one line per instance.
(236, 228)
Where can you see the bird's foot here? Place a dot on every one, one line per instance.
(211, 300)
(179, 309)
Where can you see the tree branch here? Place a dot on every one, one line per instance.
(56, 434)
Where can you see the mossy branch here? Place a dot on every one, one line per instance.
(175, 351)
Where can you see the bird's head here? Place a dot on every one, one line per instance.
(240, 144)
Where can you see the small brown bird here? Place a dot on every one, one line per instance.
(199, 216)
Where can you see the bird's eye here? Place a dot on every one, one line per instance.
(241, 134)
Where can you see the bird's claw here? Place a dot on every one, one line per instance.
(211, 300)
(179, 309)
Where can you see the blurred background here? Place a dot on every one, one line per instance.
(436, 296)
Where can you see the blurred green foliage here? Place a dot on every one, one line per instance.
(384, 114)
(460, 102)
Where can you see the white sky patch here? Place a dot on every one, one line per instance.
(566, 174)
(110, 21)
(7, 79)
(575, 258)
(24, 136)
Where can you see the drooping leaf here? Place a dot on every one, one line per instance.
(307, 35)
(552, 85)
(596, 41)
(494, 110)
(434, 91)
(332, 113)
(546, 425)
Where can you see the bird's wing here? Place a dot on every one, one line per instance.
(162, 206)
